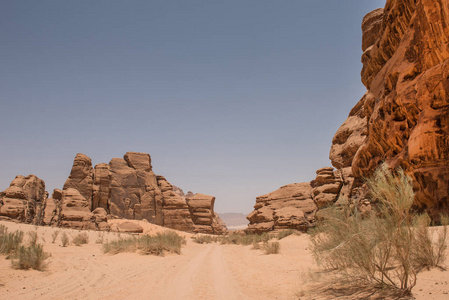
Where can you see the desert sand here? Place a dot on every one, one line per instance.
(208, 271)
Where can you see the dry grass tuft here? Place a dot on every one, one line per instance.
(80, 239)
(168, 241)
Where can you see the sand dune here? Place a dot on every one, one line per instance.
(209, 271)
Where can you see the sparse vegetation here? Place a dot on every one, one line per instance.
(64, 240)
(9, 241)
(32, 237)
(384, 248)
(100, 238)
(30, 257)
(205, 239)
(168, 241)
(80, 239)
(244, 239)
(54, 235)
(285, 233)
(272, 247)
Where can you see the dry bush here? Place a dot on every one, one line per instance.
(285, 233)
(100, 238)
(80, 239)
(168, 241)
(383, 248)
(30, 257)
(54, 235)
(245, 239)
(32, 237)
(9, 241)
(204, 239)
(64, 239)
(429, 243)
(272, 247)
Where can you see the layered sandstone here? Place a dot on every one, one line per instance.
(290, 206)
(294, 206)
(403, 118)
(24, 199)
(128, 188)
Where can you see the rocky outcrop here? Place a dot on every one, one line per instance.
(294, 206)
(24, 200)
(80, 177)
(403, 119)
(128, 188)
(291, 206)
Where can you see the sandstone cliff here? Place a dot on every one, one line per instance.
(402, 119)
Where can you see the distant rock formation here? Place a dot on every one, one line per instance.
(125, 188)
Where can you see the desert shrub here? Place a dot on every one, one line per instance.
(377, 248)
(245, 239)
(54, 236)
(272, 247)
(64, 239)
(429, 244)
(32, 237)
(100, 238)
(204, 239)
(9, 241)
(285, 233)
(168, 241)
(30, 257)
(80, 239)
(256, 246)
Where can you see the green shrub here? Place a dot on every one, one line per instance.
(385, 247)
(244, 239)
(272, 247)
(30, 257)
(80, 239)
(168, 241)
(64, 239)
(9, 241)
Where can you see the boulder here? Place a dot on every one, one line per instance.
(80, 177)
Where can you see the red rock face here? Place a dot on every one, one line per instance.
(404, 117)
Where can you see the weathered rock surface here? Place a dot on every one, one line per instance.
(24, 199)
(291, 206)
(128, 188)
(80, 177)
(404, 117)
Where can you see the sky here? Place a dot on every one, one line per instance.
(230, 98)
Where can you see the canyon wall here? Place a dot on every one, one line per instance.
(403, 118)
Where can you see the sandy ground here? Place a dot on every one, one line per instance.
(209, 271)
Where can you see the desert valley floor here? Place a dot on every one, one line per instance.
(201, 271)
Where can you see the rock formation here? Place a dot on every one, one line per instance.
(128, 188)
(24, 200)
(125, 188)
(291, 206)
(403, 119)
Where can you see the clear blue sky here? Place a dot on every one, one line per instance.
(231, 98)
